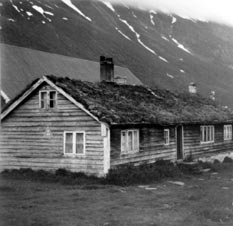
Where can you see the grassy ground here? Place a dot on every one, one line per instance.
(205, 200)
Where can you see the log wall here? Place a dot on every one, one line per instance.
(33, 137)
(151, 143)
(194, 147)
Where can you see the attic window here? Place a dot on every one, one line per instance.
(129, 141)
(227, 132)
(48, 99)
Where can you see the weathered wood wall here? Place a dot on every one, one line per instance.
(32, 137)
(193, 145)
(151, 142)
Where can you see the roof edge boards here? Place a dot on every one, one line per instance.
(21, 98)
(70, 98)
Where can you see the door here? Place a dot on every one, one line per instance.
(179, 142)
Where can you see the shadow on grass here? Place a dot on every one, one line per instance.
(125, 175)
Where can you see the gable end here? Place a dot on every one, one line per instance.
(22, 97)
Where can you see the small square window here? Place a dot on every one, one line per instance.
(48, 99)
(166, 136)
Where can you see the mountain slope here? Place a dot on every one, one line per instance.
(161, 50)
(20, 66)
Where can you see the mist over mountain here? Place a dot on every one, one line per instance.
(164, 50)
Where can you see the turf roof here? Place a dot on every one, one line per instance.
(127, 104)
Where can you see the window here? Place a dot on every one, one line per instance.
(129, 141)
(227, 132)
(166, 136)
(48, 99)
(207, 134)
(74, 143)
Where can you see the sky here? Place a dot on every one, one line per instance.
(220, 11)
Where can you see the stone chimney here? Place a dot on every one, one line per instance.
(192, 88)
(106, 69)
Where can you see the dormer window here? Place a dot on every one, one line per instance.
(48, 99)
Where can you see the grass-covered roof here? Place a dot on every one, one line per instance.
(127, 104)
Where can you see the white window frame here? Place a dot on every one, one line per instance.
(166, 139)
(125, 149)
(227, 131)
(209, 129)
(47, 99)
(74, 143)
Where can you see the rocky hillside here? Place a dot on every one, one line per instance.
(162, 50)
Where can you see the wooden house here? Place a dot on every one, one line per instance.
(92, 127)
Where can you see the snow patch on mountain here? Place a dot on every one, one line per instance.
(109, 5)
(152, 12)
(152, 19)
(49, 13)
(29, 13)
(173, 20)
(179, 45)
(134, 15)
(125, 36)
(15, 7)
(165, 38)
(170, 76)
(41, 11)
(71, 5)
(182, 71)
(48, 6)
(163, 59)
(10, 19)
(137, 36)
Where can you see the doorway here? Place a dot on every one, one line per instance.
(179, 142)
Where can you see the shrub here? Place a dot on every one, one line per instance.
(227, 160)
(145, 173)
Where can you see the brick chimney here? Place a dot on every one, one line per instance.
(106, 69)
(192, 88)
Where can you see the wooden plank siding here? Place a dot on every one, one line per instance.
(151, 146)
(32, 137)
(194, 147)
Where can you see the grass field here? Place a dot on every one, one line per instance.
(205, 200)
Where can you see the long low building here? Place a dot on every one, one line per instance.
(58, 122)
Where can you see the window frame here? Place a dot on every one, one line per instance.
(47, 102)
(168, 136)
(207, 131)
(227, 135)
(135, 141)
(74, 143)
